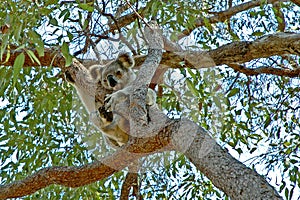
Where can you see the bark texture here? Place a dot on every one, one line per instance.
(226, 173)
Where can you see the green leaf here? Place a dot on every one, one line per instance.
(17, 31)
(40, 49)
(37, 40)
(18, 64)
(53, 22)
(33, 57)
(268, 121)
(86, 7)
(233, 92)
(257, 33)
(66, 54)
(7, 55)
(85, 24)
(51, 2)
(63, 13)
(208, 24)
(193, 75)
(4, 44)
(217, 101)
(191, 86)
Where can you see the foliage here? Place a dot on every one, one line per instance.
(43, 124)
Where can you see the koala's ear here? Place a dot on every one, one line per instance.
(125, 60)
(95, 72)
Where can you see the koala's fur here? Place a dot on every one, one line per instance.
(114, 76)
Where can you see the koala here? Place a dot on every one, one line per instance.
(115, 76)
(114, 80)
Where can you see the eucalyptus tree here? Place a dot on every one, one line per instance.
(226, 75)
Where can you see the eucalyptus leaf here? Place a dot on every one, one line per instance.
(18, 64)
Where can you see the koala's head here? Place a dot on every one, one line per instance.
(116, 74)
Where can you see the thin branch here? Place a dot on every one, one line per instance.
(137, 14)
(297, 2)
(222, 16)
(233, 83)
(266, 70)
(278, 12)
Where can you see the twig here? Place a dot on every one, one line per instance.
(133, 9)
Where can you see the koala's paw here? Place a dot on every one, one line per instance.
(96, 119)
(112, 99)
(108, 116)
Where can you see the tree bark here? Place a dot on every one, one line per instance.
(225, 172)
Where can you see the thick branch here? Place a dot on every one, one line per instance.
(138, 111)
(270, 45)
(66, 176)
(86, 174)
(227, 173)
(231, 54)
(236, 53)
(51, 56)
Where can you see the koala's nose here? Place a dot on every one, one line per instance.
(111, 80)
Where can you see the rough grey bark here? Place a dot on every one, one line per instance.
(228, 174)
(138, 111)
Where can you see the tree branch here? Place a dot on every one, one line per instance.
(236, 53)
(66, 176)
(226, 173)
(131, 181)
(86, 174)
(232, 54)
(52, 56)
(269, 45)
(297, 2)
(266, 70)
(224, 15)
(138, 111)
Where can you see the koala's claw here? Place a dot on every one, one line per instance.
(109, 102)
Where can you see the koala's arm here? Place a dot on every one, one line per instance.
(116, 97)
(123, 94)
